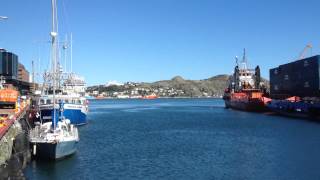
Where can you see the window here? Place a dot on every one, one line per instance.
(286, 77)
(48, 101)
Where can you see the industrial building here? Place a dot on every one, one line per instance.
(23, 74)
(8, 64)
(12, 71)
(299, 78)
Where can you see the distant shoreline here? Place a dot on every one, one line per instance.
(106, 98)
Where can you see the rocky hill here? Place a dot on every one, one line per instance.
(177, 86)
(210, 87)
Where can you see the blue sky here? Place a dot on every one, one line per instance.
(149, 40)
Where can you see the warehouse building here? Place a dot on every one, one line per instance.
(8, 64)
(299, 78)
(23, 74)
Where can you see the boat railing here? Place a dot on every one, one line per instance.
(35, 132)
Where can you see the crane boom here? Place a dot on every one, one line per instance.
(303, 53)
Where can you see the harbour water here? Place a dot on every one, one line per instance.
(186, 139)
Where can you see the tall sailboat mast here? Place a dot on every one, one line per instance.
(65, 47)
(71, 54)
(54, 34)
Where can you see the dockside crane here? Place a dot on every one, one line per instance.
(303, 53)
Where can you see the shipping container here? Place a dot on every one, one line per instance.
(298, 78)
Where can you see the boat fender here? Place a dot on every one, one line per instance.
(34, 149)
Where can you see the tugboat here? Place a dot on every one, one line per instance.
(246, 91)
(58, 138)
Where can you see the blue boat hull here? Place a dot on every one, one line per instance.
(76, 116)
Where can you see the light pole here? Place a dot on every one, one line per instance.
(3, 18)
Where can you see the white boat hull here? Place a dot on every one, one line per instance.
(54, 151)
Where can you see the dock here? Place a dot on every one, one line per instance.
(14, 146)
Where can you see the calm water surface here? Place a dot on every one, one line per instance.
(186, 139)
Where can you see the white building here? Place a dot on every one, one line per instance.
(113, 83)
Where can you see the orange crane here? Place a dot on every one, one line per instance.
(303, 53)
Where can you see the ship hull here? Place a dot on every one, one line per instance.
(76, 114)
(295, 109)
(53, 151)
(291, 114)
(254, 106)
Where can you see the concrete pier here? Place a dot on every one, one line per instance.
(14, 148)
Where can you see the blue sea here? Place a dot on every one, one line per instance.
(186, 139)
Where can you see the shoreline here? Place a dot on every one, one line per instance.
(113, 98)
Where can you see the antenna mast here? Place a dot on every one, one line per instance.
(33, 78)
(71, 53)
(244, 60)
(54, 35)
(65, 47)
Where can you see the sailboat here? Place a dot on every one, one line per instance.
(58, 138)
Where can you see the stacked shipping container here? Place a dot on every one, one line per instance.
(299, 78)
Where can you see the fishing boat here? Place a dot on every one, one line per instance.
(71, 90)
(74, 94)
(75, 107)
(74, 84)
(245, 91)
(58, 138)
